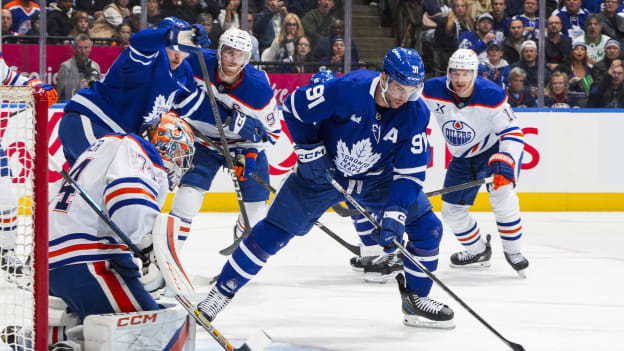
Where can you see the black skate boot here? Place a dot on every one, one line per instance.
(423, 312)
(464, 259)
(383, 267)
(518, 262)
(213, 304)
(359, 262)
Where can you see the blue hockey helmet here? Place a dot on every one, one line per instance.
(322, 77)
(406, 67)
(170, 22)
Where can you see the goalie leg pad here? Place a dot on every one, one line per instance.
(164, 236)
(185, 205)
(166, 329)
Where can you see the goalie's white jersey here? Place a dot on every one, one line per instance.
(125, 176)
(474, 126)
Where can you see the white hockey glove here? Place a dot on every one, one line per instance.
(151, 279)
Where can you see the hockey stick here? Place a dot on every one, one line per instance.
(364, 212)
(355, 249)
(188, 306)
(226, 150)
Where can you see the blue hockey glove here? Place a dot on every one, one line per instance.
(502, 165)
(245, 163)
(184, 38)
(247, 127)
(392, 226)
(201, 36)
(313, 161)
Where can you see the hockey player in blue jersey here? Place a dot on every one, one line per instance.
(244, 97)
(91, 269)
(369, 130)
(147, 79)
(483, 135)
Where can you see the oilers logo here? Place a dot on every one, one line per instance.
(458, 133)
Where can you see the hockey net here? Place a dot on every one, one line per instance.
(23, 219)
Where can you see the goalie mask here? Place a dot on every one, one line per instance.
(405, 67)
(235, 47)
(173, 139)
(462, 59)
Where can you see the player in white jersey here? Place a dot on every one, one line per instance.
(483, 135)
(129, 176)
(9, 197)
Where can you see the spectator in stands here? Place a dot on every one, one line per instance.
(80, 23)
(494, 65)
(529, 19)
(317, 23)
(478, 41)
(60, 18)
(513, 42)
(153, 13)
(610, 92)
(528, 62)
(572, 18)
(230, 15)
(35, 25)
(112, 16)
(594, 39)
(22, 11)
(134, 20)
(515, 7)
(283, 45)
(268, 22)
(612, 53)
(303, 53)
(76, 72)
(518, 95)
(7, 22)
(255, 53)
(479, 7)
(213, 28)
(611, 23)
(447, 35)
(580, 77)
(323, 48)
(500, 21)
(122, 35)
(301, 7)
(337, 55)
(185, 10)
(92, 7)
(557, 93)
(557, 46)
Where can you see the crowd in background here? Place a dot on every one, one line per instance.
(582, 48)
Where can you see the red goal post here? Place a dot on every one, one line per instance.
(23, 218)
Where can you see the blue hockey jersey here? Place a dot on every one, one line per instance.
(251, 94)
(362, 141)
(139, 86)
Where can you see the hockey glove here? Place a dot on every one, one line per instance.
(247, 127)
(201, 36)
(392, 226)
(502, 165)
(50, 91)
(245, 163)
(313, 161)
(188, 39)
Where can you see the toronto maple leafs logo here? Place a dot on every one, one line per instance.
(160, 106)
(357, 160)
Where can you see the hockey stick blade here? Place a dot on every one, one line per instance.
(344, 212)
(257, 342)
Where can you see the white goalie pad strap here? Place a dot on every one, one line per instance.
(164, 237)
(166, 329)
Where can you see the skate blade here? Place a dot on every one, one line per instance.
(379, 278)
(422, 322)
(356, 269)
(476, 265)
(522, 273)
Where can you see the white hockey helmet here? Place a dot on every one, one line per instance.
(463, 59)
(237, 39)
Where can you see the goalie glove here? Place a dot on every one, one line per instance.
(502, 166)
(151, 278)
(245, 163)
(50, 91)
(247, 127)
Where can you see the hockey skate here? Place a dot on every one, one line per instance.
(213, 304)
(358, 262)
(423, 312)
(383, 267)
(518, 262)
(464, 259)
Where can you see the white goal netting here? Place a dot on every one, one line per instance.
(18, 227)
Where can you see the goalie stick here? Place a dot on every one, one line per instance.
(226, 153)
(364, 212)
(355, 249)
(183, 300)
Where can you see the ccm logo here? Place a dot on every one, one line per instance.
(311, 155)
(136, 320)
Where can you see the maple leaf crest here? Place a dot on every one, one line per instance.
(357, 160)
(160, 106)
